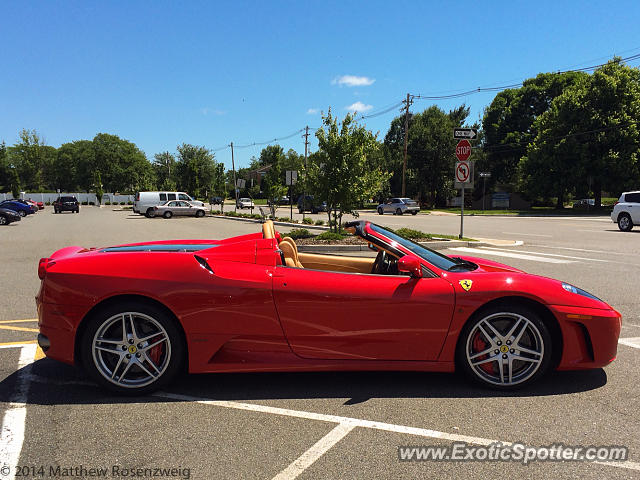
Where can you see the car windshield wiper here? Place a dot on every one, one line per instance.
(462, 265)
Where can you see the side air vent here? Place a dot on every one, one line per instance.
(204, 264)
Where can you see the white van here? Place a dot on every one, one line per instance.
(145, 201)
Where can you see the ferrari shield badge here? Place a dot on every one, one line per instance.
(466, 284)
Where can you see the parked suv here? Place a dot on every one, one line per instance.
(306, 203)
(399, 206)
(626, 211)
(66, 204)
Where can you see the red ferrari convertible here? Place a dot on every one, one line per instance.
(136, 315)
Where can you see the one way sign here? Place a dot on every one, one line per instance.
(468, 133)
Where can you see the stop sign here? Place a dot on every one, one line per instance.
(463, 150)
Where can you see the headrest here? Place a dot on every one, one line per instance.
(290, 254)
(268, 230)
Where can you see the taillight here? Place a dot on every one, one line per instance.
(616, 204)
(43, 266)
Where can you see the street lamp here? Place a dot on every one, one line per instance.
(484, 176)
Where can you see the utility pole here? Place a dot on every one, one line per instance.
(235, 183)
(407, 102)
(306, 153)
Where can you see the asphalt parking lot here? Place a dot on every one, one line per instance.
(316, 425)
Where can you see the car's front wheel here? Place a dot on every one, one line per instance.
(132, 348)
(22, 213)
(167, 214)
(624, 222)
(3, 220)
(505, 347)
(380, 211)
(200, 213)
(398, 211)
(414, 213)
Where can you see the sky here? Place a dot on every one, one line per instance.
(209, 73)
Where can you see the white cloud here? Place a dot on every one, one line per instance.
(358, 107)
(353, 81)
(213, 111)
(313, 111)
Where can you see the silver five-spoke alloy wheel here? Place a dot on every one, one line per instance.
(505, 349)
(131, 350)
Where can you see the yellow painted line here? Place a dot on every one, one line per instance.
(17, 343)
(19, 329)
(39, 354)
(19, 321)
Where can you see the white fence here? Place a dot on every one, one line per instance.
(82, 197)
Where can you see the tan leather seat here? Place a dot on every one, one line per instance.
(268, 230)
(290, 251)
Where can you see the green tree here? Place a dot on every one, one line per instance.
(340, 172)
(195, 170)
(31, 158)
(509, 122)
(164, 167)
(273, 184)
(124, 167)
(589, 139)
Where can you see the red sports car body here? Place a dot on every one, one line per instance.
(134, 315)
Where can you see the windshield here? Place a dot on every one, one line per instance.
(434, 258)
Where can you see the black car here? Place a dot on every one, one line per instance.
(7, 216)
(306, 203)
(216, 200)
(66, 204)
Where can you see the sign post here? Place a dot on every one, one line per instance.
(463, 173)
(292, 179)
(484, 176)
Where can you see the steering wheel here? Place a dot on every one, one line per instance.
(381, 264)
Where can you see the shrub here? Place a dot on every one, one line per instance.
(122, 203)
(92, 203)
(48, 203)
(283, 219)
(412, 234)
(256, 216)
(330, 236)
(297, 233)
(129, 202)
(319, 222)
(107, 203)
(85, 203)
(216, 212)
(231, 214)
(307, 221)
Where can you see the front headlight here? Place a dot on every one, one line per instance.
(579, 291)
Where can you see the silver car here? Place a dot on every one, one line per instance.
(399, 206)
(177, 207)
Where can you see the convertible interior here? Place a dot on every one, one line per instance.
(385, 263)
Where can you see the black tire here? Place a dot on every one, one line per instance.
(77, 210)
(3, 220)
(55, 210)
(380, 211)
(22, 213)
(398, 211)
(414, 213)
(98, 365)
(486, 369)
(149, 213)
(300, 211)
(624, 222)
(167, 214)
(200, 213)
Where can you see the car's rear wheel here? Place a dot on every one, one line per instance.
(132, 348)
(414, 213)
(398, 211)
(624, 222)
(505, 347)
(3, 220)
(149, 212)
(167, 214)
(380, 211)
(200, 213)
(22, 213)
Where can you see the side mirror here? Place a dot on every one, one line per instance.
(411, 265)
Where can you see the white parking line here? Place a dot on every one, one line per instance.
(12, 435)
(633, 342)
(357, 422)
(315, 452)
(579, 249)
(528, 234)
(501, 253)
(550, 255)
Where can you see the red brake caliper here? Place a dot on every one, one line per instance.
(156, 352)
(479, 345)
